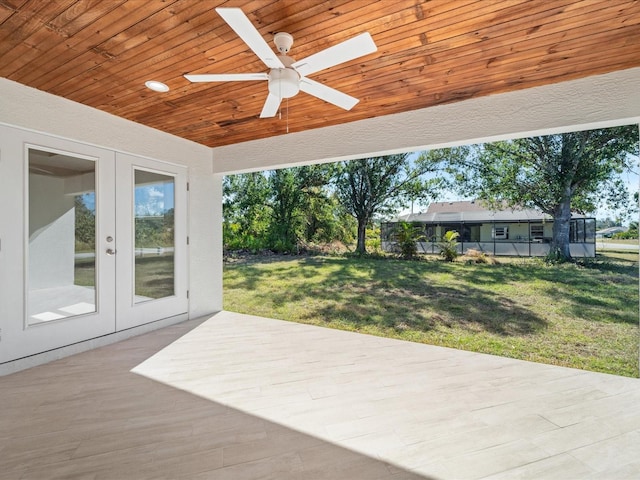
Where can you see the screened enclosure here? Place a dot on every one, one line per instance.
(523, 238)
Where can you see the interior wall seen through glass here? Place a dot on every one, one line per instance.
(62, 236)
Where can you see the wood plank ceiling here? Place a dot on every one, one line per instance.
(101, 52)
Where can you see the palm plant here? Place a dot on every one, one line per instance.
(449, 245)
(407, 236)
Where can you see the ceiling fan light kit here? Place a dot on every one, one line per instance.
(286, 76)
(284, 82)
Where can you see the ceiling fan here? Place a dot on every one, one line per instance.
(286, 76)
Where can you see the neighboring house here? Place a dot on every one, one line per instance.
(518, 232)
(609, 232)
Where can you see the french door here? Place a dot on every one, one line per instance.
(104, 245)
(151, 200)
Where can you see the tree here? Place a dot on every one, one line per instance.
(556, 174)
(321, 212)
(380, 185)
(246, 210)
(295, 194)
(286, 198)
(168, 228)
(326, 219)
(85, 223)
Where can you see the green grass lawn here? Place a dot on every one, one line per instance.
(577, 316)
(85, 272)
(154, 276)
(613, 241)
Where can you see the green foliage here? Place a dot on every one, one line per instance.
(631, 234)
(301, 208)
(282, 209)
(407, 236)
(372, 238)
(555, 256)
(85, 227)
(155, 231)
(246, 212)
(234, 239)
(324, 219)
(449, 245)
(286, 222)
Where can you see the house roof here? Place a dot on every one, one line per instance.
(611, 230)
(473, 211)
(428, 53)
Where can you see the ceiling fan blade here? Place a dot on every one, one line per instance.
(271, 106)
(226, 77)
(328, 94)
(355, 47)
(243, 27)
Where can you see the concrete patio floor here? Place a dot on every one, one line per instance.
(243, 397)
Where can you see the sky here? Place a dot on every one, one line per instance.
(150, 199)
(154, 198)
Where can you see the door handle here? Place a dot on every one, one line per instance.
(110, 251)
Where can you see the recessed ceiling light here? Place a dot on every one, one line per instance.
(156, 86)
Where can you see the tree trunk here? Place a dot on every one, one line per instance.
(560, 247)
(362, 234)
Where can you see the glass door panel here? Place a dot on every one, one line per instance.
(151, 213)
(154, 227)
(62, 236)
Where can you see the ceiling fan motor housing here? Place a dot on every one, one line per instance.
(283, 42)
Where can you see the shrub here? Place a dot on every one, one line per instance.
(630, 234)
(476, 256)
(407, 235)
(555, 257)
(372, 239)
(449, 246)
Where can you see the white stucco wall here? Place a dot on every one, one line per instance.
(51, 233)
(31, 109)
(593, 102)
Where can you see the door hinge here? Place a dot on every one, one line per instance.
(187, 294)
(187, 240)
(187, 186)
